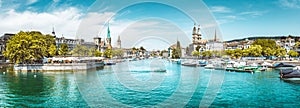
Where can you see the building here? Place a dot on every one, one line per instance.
(119, 42)
(70, 42)
(198, 43)
(97, 42)
(215, 44)
(286, 42)
(102, 44)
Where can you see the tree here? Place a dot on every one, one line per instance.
(255, 50)
(207, 54)
(198, 47)
(108, 53)
(80, 50)
(246, 52)
(269, 52)
(117, 53)
(196, 53)
(268, 46)
(293, 53)
(98, 53)
(26, 47)
(63, 50)
(50, 41)
(52, 50)
(238, 53)
(92, 52)
(280, 52)
(176, 53)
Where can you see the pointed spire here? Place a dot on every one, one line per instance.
(53, 32)
(215, 35)
(108, 31)
(198, 32)
(194, 29)
(119, 39)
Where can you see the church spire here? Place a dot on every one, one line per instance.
(108, 31)
(215, 35)
(53, 32)
(194, 29)
(198, 32)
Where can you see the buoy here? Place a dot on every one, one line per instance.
(34, 76)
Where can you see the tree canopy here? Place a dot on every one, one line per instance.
(63, 49)
(26, 47)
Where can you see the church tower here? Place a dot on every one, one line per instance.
(53, 32)
(119, 42)
(108, 38)
(194, 34)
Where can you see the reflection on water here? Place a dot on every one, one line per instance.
(117, 86)
(39, 90)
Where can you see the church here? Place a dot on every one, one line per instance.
(197, 41)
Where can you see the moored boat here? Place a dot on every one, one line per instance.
(290, 75)
(283, 66)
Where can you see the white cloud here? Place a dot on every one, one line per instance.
(65, 22)
(220, 9)
(254, 13)
(289, 3)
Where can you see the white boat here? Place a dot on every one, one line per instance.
(190, 63)
(209, 66)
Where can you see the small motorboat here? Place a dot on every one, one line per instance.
(290, 75)
(190, 63)
(283, 66)
(110, 63)
(209, 66)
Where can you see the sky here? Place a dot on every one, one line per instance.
(155, 24)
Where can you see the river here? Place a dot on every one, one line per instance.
(129, 84)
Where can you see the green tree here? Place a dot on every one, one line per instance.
(117, 53)
(293, 53)
(268, 46)
(98, 53)
(198, 47)
(52, 50)
(92, 52)
(255, 50)
(176, 53)
(63, 50)
(280, 52)
(26, 47)
(269, 52)
(108, 53)
(238, 53)
(246, 52)
(80, 50)
(196, 53)
(207, 54)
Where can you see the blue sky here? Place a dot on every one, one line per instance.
(133, 22)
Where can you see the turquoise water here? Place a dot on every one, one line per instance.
(123, 86)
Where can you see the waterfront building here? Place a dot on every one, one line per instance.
(215, 44)
(103, 44)
(286, 42)
(197, 41)
(97, 42)
(119, 42)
